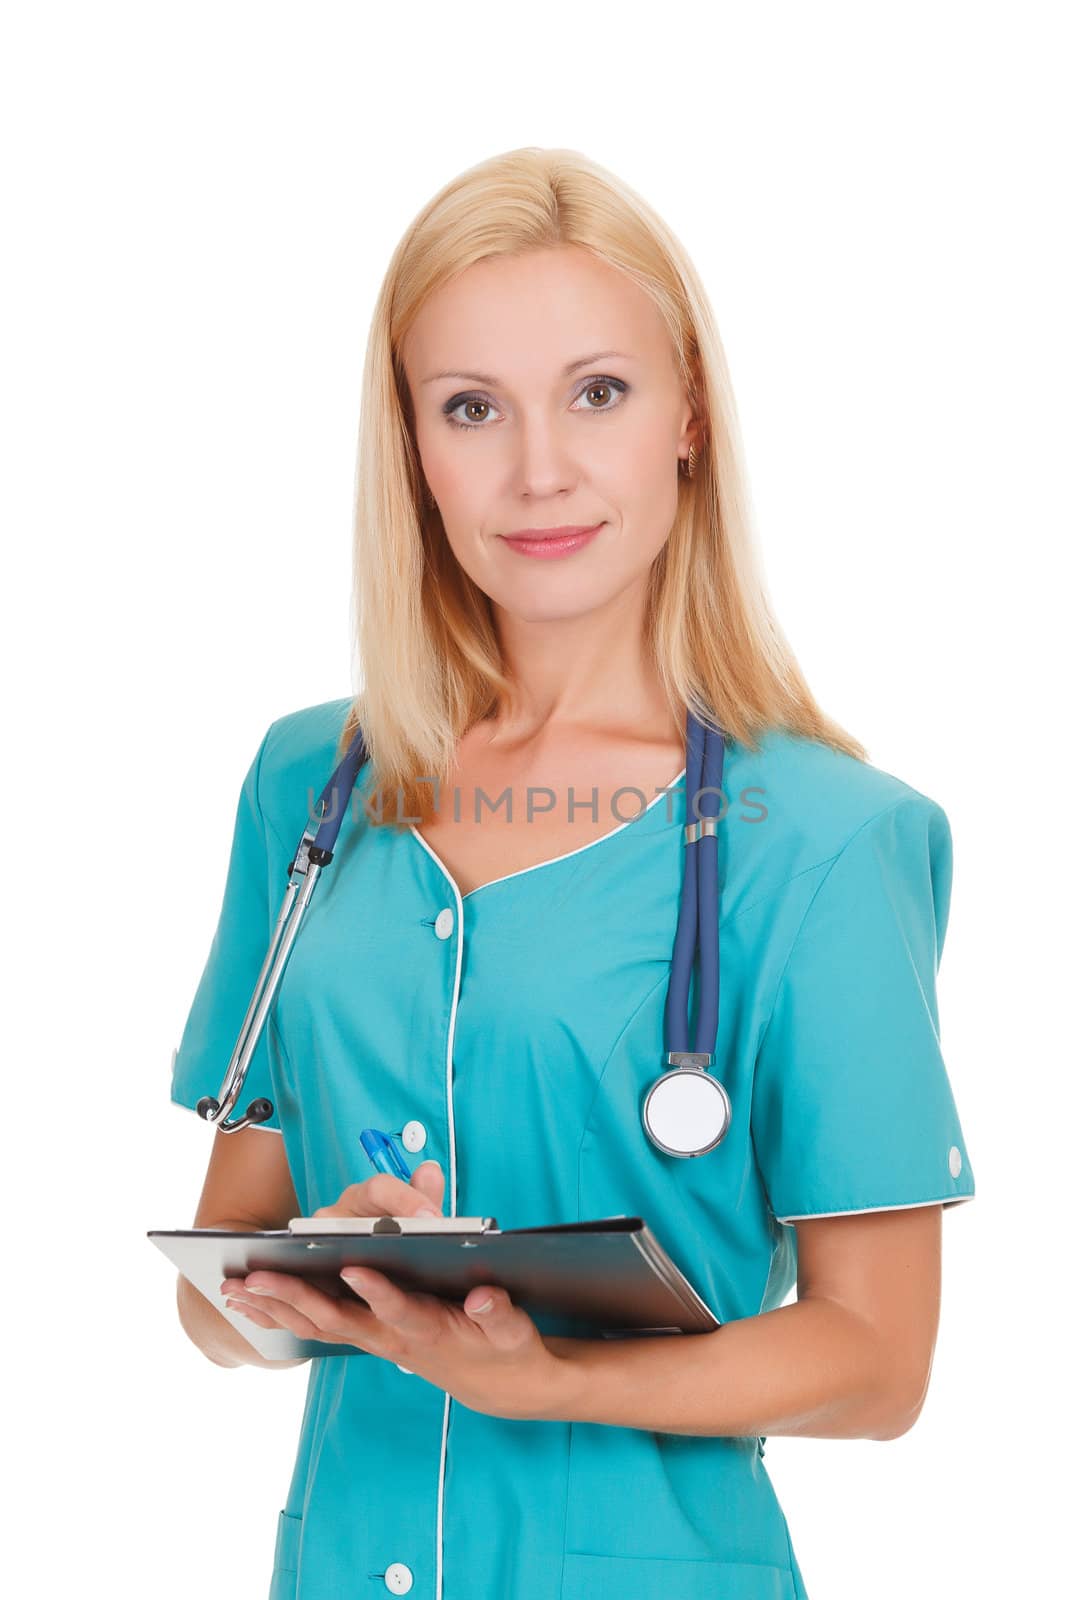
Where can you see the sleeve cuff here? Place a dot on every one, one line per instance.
(944, 1200)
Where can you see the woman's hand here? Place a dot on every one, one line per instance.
(492, 1360)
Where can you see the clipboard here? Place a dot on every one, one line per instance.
(605, 1278)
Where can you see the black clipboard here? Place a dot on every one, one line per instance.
(607, 1278)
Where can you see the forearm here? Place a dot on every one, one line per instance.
(811, 1368)
(214, 1334)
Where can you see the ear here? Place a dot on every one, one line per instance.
(692, 434)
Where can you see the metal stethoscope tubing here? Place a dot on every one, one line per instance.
(667, 1112)
(314, 852)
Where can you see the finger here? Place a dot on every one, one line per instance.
(233, 1291)
(429, 1179)
(283, 1315)
(232, 1286)
(505, 1325)
(416, 1316)
(381, 1195)
(311, 1313)
(256, 1314)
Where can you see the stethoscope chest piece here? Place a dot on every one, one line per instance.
(686, 1112)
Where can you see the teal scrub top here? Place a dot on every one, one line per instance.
(515, 1030)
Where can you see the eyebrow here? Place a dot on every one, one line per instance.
(572, 366)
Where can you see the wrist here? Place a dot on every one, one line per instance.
(567, 1380)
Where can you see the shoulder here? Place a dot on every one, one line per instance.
(811, 801)
(297, 754)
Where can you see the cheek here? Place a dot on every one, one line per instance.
(450, 470)
(445, 469)
(643, 488)
(465, 490)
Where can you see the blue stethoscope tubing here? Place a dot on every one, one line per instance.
(686, 1111)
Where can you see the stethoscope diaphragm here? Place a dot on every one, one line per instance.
(686, 1112)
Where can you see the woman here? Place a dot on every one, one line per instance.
(543, 358)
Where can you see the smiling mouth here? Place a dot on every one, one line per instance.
(537, 534)
(551, 543)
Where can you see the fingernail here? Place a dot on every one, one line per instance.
(482, 1306)
(427, 1211)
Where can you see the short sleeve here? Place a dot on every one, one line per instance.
(852, 1106)
(237, 952)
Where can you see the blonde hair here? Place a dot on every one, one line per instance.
(423, 630)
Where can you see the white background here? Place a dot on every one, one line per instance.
(199, 201)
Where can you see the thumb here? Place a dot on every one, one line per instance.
(429, 1179)
(505, 1325)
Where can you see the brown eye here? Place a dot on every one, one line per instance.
(607, 394)
(467, 405)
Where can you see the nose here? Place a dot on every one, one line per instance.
(545, 461)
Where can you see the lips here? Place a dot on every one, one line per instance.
(537, 534)
(551, 543)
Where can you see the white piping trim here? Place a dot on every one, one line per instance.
(439, 1577)
(910, 1205)
(551, 862)
(459, 897)
(259, 1125)
(438, 1551)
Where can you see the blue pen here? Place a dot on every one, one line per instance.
(383, 1153)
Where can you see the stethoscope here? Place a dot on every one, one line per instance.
(686, 1111)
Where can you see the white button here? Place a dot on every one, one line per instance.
(398, 1579)
(955, 1162)
(413, 1136)
(443, 923)
(399, 1368)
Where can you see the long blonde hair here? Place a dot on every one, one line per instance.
(423, 631)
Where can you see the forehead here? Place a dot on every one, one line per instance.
(533, 313)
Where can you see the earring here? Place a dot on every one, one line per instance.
(691, 466)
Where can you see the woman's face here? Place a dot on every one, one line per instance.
(545, 394)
